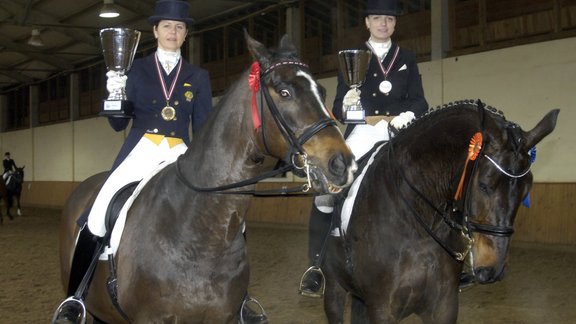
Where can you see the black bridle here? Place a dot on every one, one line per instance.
(295, 143)
(457, 218)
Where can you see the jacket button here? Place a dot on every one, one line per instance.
(172, 134)
(375, 74)
(376, 112)
(374, 94)
(155, 130)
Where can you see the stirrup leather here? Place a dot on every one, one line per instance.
(310, 271)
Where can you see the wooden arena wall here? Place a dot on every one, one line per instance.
(550, 219)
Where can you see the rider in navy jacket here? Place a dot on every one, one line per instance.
(392, 89)
(192, 100)
(407, 93)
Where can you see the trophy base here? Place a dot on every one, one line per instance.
(355, 117)
(117, 109)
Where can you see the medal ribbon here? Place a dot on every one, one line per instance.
(384, 70)
(167, 94)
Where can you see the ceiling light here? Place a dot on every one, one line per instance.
(35, 39)
(109, 10)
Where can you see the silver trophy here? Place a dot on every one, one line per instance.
(119, 47)
(353, 66)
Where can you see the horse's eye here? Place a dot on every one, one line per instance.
(484, 188)
(285, 93)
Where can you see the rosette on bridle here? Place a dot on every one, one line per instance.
(254, 84)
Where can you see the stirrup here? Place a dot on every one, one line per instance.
(310, 272)
(245, 303)
(70, 304)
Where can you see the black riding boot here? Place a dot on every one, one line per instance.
(312, 282)
(72, 310)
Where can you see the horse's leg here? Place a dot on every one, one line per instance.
(359, 314)
(334, 301)
(8, 202)
(18, 204)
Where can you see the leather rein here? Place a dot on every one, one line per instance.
(295, 143)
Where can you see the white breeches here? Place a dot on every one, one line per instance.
(143, 158)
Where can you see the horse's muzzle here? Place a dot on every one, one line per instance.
(488, 275)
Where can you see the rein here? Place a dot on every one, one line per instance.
(256, 82)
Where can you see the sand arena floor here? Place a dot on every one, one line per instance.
(540, 286)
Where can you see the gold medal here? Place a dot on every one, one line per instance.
(168, 113)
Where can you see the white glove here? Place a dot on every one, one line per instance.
(115, 81)
(402, 120)
(351, 98)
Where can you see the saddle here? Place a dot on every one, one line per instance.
(116, 204)
(114, 207)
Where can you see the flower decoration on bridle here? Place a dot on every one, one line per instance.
(254, 84)
(474, 149)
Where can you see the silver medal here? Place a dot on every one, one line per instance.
(385, 86)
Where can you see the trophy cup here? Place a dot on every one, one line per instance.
(353, 66)
(119, 47)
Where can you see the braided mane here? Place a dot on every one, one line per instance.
(459, 104)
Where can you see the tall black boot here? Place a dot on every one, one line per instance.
(86, 252)
(312, 283)
(86, 247)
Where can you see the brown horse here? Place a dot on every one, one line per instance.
(182, 257)
(449, 184)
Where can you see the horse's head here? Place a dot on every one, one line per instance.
(292, 123)
(501, 181)
(19, 174)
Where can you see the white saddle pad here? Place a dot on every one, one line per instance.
(348, 204)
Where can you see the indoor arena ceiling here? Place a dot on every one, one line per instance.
(69, 31)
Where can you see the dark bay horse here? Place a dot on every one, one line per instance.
(182, 257)
(14, 190)
(448, 184)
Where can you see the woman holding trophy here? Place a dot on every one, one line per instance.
(165, 96)
(387, 90)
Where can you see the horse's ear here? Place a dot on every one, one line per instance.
(287, 46)
(544, 127)
(259, 52)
